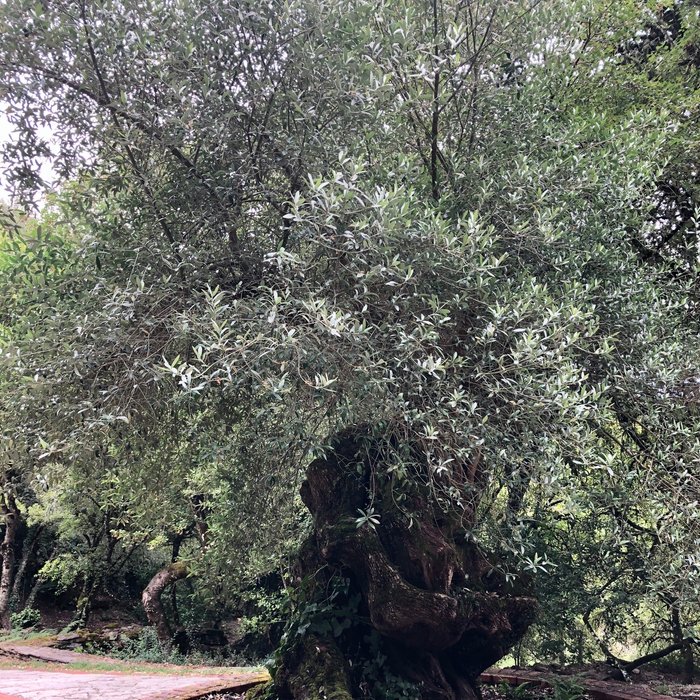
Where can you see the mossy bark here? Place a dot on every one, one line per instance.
(9, 512)
(315, 669)
(441, 610)
(152, 599)
(29, 547)
(264, 691)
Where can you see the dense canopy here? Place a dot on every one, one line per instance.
(435, 259)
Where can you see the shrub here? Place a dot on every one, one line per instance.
(24, 619)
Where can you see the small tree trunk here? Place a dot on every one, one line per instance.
(688, 663)
(686, 644)
(11, 517)
(33, 592)
(579, 647)
(38, 582)
(152, 603)
(85, 600)
(177, 543)
(99, 570)
(28, 550)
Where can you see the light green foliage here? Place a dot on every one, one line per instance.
(567, 689)
(265, 241)
(518, 692)
(561, 689)
(147, 647)
(268, 609)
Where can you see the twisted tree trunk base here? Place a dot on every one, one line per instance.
(151, 599)
(430, 610)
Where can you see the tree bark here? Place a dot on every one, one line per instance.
(28, 549)
(83, 608)
(686, 644)
(431, 602)
(11, 518)
(152, 602)
(656, 655)
(38, 582)
(177, 543)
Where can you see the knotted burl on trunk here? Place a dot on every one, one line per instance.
(443, 611)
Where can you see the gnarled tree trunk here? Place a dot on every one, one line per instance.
(152, 599)
(430, 598)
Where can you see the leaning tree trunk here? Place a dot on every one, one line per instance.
(431, 603)
(11, 518)
(152, 599)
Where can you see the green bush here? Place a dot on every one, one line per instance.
(147, 647)
(567, 689)
(24, 619)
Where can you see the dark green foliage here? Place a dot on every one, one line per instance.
(29, 617)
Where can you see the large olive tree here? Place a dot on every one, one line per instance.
(391, 244)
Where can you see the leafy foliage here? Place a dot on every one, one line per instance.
(29, 617)
(472, 230)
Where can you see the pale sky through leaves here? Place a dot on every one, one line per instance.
(6, 135)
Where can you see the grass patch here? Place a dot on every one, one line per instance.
(121, 667)
(29, 637)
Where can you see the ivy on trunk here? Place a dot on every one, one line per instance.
(11, 520)
(437, 602)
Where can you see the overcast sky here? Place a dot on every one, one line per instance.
(6, 135)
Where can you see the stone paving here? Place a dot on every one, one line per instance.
(51, 654)
(48, 685)
(57, 682)
(29, 684)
